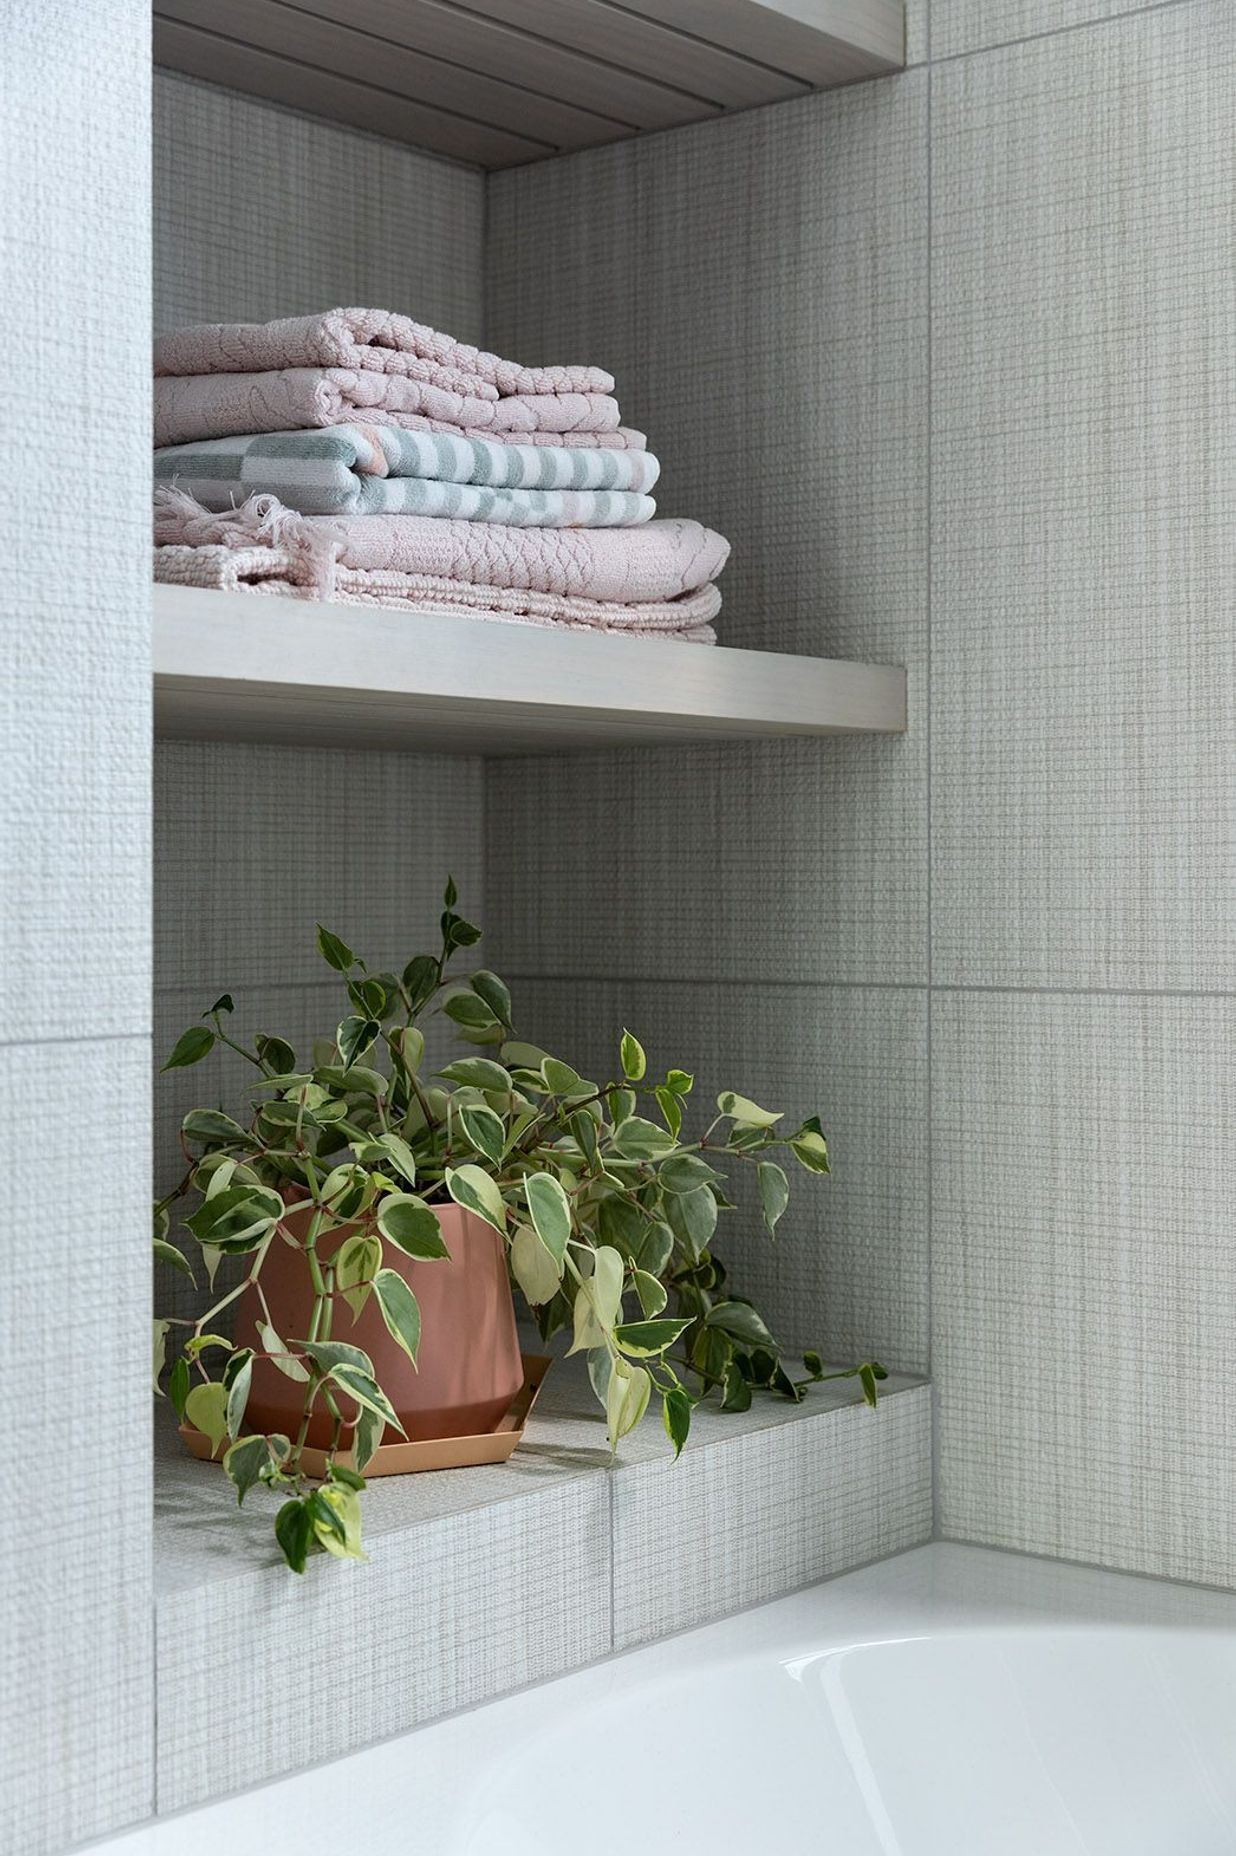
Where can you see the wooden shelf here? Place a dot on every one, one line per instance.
(501, 82)
(243, 667)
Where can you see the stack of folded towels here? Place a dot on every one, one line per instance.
(361, 457)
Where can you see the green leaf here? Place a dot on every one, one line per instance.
(584, 1133)
(654, 1249)
(560, 1079)
(637, 1139)
(367, 1392)
(420, 977)
(450, 895)
(178, 1387)
(224, 1003)
(327, 1355)
(277, 1054)
(626, 1399)
(210, 1124)
(206, 1411)
(271, 1343)
(551, 1212)
(478, 1073)
(485, 1131)
(621, 1105)
(746, 1112)
(680, 1081)
(412, 1226)
(693, 1217)
(519, 1056)
(644, 1338)
(634, 1062)
(652, 1294)
(407, 1045)
(736, 1392)
(368, 996)
(244, 1463)
(198, 1344)
(535, 1270)
(774, 1192)
(456, 932)
(711, 1353)
(491, 989)
(400, 1310)
(197, 1042)
(810, 1148)
(464, 1008)
(335, 953)
(159, 1352)
(339, 1472)
(399, 1154)
(676, 1416)
(354, 1037)
(598, 1301)
(237, 1380)
(336, 1515)
(168, 1253)
(366, 1436)
(670, 1107)
(476, 1192)
(237, 1219)
(742, 1323)
(294, 1531)
(357, 1261)
(684, 1172)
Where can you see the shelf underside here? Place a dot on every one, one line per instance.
(502, 82)
(244, 667)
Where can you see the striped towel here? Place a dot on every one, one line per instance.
(384, 470)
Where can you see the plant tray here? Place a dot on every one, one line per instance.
(406, 1459)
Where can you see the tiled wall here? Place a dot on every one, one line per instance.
(998, 955)
(76, 1653)
(260, 212)
(759, 287)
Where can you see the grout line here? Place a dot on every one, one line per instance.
(929, 1160)
(78, 1037)
(1055, 32)
(517, 977)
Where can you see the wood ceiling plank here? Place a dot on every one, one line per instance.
(629, 42)
(823, 41)
(201, 53)
(315, 37)
(488, 46)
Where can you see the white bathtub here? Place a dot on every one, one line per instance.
(950, 1702)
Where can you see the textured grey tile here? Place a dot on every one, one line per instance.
(738, 1523)
(260, 212)
(445, 1615)
(918, 30)
(75, 610)
(970, 25)
(848, 1271)
(254, 845)
(1084, 477)
(1085, 1277)
(805, 860)
(760, 295)
(75, 1586)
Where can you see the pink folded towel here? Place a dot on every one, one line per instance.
(290, 572)
(192, 407)
(657, 562)
(373, 339)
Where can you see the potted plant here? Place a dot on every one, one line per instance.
(376, 1210)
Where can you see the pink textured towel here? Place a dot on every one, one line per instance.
(191, 407)
(652, 564)
(290, 572)
(372, 339)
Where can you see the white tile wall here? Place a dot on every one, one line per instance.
(1084, 479)
(75, 1644)
(1085, 1277)
(261, 212)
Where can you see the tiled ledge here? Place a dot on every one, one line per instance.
(481, 1581)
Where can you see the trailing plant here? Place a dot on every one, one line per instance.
(607, 1207)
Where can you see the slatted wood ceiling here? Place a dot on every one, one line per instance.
(501, 82)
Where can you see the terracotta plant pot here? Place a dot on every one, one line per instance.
(468, 1369)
